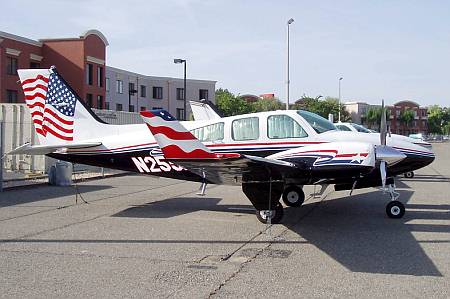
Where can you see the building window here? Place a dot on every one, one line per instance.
(143, 108)
(99, 76)
(131, 89)
(11, 96)
(180, 94)
(143, 91)
(119, 107)
(157, 92)
(203, 94)
(397, 113)
(119, 87)
(35, 65)
(245, 129)
(107, 84)
(209, 133)
(107, 105)
(100, 102)
(283, 126)
(156, 108)
(180, 113)
(11, 65)
(89, 73)
(131, 108)
(89, 100)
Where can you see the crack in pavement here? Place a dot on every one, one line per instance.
(261, 250)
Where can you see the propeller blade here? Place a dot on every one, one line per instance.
(383, 127)
(383, 174)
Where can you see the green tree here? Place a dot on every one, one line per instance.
(435, 119)
(323, 107)
(231, 104)
(406, 117)
(267, 104)
(373, 117)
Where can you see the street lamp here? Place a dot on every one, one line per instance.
(339, 113)
(289, 22)
(177, 60)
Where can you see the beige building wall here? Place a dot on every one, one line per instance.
(169, 101)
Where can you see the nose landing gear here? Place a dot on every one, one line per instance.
(394, 209)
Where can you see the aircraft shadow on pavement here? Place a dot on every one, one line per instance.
(39, 193)
(172, 207)
(354, 231)
(433, 178)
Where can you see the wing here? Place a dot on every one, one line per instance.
(181, 147)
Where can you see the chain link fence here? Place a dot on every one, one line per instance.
(16, 129)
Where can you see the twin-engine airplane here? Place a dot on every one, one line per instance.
(270, 154)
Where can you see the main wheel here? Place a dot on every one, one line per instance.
(274, 215)
(395, 209)
(293, 196)
(409, 174)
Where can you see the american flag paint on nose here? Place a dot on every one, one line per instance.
(175, 141)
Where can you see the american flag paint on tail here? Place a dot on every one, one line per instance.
(175, 141)
(51, 103)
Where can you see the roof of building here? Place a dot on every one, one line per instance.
(128, 73)
(20, 39)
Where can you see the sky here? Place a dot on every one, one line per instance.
(392, 50)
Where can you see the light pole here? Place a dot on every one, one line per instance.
(339, 113)
(177, 60)
(289, 22)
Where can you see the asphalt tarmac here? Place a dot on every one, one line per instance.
(140, 236)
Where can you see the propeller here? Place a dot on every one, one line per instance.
(386, 154)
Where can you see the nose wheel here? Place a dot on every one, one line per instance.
(409, 174)
(394, 209)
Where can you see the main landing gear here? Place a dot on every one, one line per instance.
(394, 209)
(293, 196)
(270, 216)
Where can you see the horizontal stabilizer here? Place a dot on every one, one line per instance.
(29, 149)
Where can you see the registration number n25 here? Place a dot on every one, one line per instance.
(154, 164)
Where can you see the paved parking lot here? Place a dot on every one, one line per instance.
(140, 236)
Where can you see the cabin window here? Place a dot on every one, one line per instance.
(245, 129)
(209, 133)
(343, 128)
(283, 126)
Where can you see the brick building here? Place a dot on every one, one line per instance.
(80, 60)
(419, 124)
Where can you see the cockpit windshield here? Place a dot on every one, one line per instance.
(319, 124)
(360, 128)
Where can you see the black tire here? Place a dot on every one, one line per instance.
(409, 174)
(395, 209)
(293, 196)
(277, 215)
